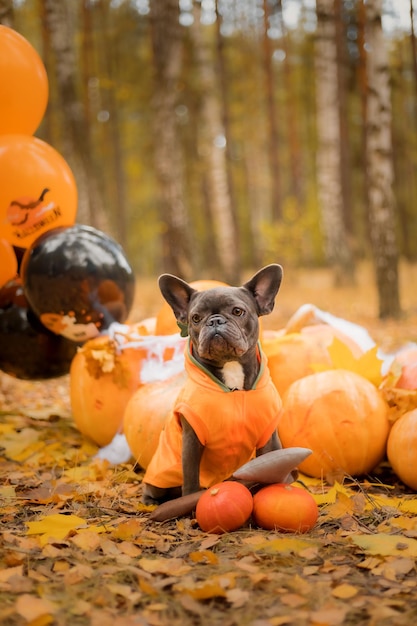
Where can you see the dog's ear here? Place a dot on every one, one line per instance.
(178, 294)
(264, 286)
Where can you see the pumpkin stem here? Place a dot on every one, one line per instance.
(44, 192)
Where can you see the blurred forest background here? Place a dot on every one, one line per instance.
(211, 137)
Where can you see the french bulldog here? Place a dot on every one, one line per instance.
(228, 408)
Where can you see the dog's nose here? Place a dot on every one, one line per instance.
(216, 320)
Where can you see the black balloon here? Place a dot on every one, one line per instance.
(27, 349)
(78, 281)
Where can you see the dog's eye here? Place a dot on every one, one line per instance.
(195, 318)
(238, 311)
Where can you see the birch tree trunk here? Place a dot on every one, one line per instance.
(225, 112)
(59, 34)
(272, 117)
(329, 146)
(413, 45)
(363, 92)
(167, 50)
(380, 166)
(110, 62)
(212, 138)
(345, 169)
(6, 13)
(292, 117)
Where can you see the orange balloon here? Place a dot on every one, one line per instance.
(8, 262)
(23, 84)
(37, 189)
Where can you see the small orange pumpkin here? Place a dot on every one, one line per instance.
(146, 413)
(339, 415)
(402, 448)
(224, 507)
(166, 324)
(284, 507)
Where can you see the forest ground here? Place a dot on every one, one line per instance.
(78, 548)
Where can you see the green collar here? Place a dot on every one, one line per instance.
(214, 378)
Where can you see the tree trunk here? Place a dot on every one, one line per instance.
(380, 166)
(113, 130)
(6, 13)
(292, 115)
(363, 90)
(58, 25)
(345, 168)
(224, 82)
(167, 47)
(212, 138)
(273, 135)
(329, 146)
(413, 46)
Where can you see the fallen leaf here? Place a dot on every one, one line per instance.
(404, 522)
(370, 563)
(345, 591)
(171, 567)
(384, 544)
(7, 491)
(329, 495)
(60, 566)
(128, 530)
(292, 599)
(6, 574)
(130, 549)
(88, 540)
(367, 365)
(55, 526)
(19, 445)
(310, 570)
(394, 569)
(31, 607)
(284, 545)
(77, 574)
(237, 597)
(204, 556)
(344, 505)
(125, 591)
(212, 587)
(328, 617)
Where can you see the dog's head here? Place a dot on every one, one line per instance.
(223, 321)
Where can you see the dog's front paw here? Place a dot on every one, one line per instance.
(148, 500)
(158, 495)
(153, 495)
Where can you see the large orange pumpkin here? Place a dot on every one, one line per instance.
(339, 415)
(107, 371)
(402, 448)
(146, 413)
(166, 324)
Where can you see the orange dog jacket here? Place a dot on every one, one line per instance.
(231, 424)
